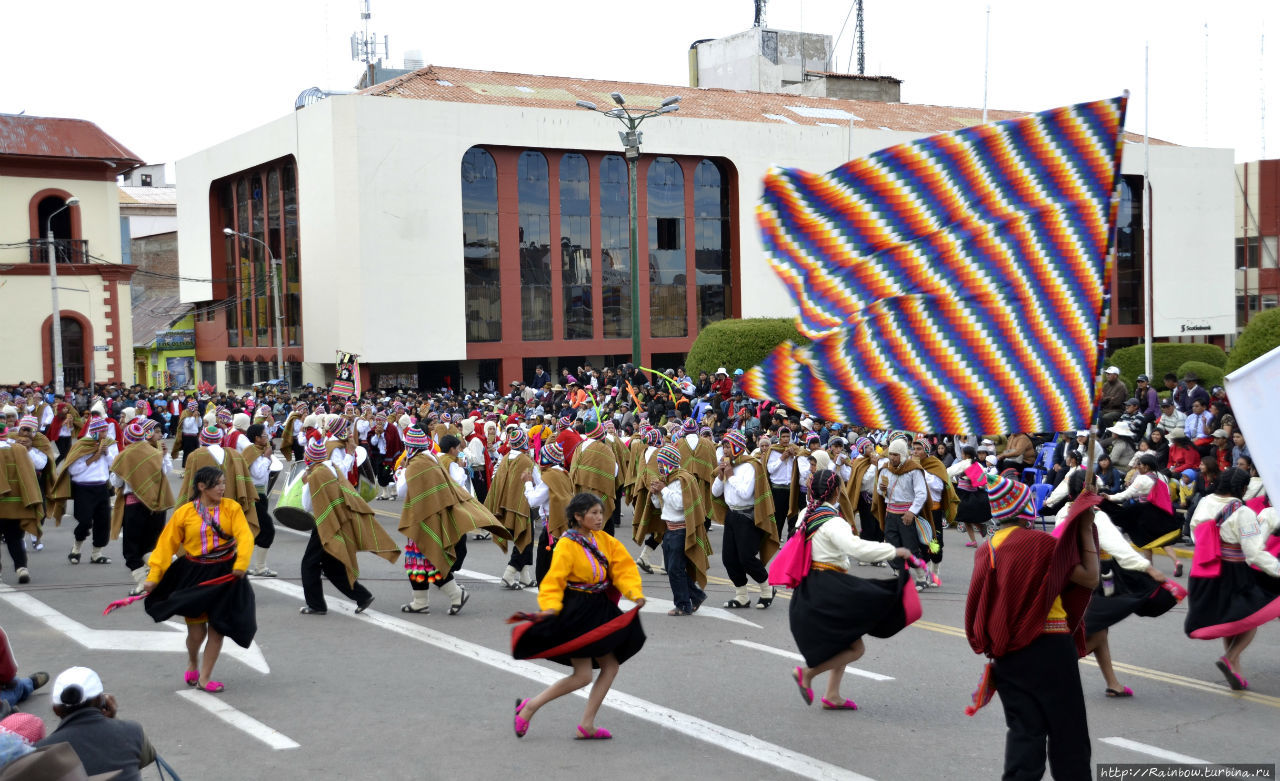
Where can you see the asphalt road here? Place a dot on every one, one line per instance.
(387, 695)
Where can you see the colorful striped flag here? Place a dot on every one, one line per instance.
(950, 284)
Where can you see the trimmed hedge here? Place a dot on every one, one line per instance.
(1209, 374)
(1165, 357)
(1260, 336)
(739, 344)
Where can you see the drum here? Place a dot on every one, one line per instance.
(368, 488)
(288, 510)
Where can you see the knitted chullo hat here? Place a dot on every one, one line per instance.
(349, 409)
(191, 406)
(1009, 499)
(552, 455)
(900, 448)
(734, 443)
(564, 423)
(653, 437)
(609, 427)
(811, 439)
(596, 431)
(210, 435)
(417, 439)
(29, 421)
(705, 432)
(860, 443)
(783, 430)
(316, 452)
(457, 417)
(433, 417)
(148, 426)
(223, 417)
(381, 417)
(338, 428)
(301, 407)
(100, 426)
(900, 436)
(668, 459)
(518, 440)
(134, 432)
(27, 726)
(319, 410)
(690, 426)
(240, 421)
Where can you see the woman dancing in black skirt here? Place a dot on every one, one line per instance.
(580, 624)
(831, 610)
(206, 584)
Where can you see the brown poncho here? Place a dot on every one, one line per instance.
(141, 465)
(699, 462)
(645, 514)
(239, 486)
(595, 471)
(559, 492)
(345, 521)
(438, 512)
(764, 510)
(697, 546)
(286, 435)
(950, 499)
(61, 494)
(507, 503)
(19, 492)
(177, 429)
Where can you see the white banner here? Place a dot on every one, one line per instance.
(1258, 414)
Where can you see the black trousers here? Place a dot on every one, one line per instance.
(520, 559)
(900, 534)
(781, 501)
(459, 550)
(266, 524)
(11, 531)
(92, 510)
(64, 446)
(1039, 687)
(190, 442)
(542, 559)
(870, 529)
(138, 533)
(316, 562)
(741, 551)
(299, 450)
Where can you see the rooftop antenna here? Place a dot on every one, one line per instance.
(986, 67)
(1206, 83)
(858, 31)
(1262, 92)
(365, 46)
(759, 21)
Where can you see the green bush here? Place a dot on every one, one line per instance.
(1260, 336)
(1165, 357)
(1209, 374)
(739, 344)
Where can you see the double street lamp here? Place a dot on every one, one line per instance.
(631, 139)
(275, 295)
(52, 255)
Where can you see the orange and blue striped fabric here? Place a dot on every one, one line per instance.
(951, 284)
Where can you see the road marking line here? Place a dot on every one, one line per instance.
(798, 658)
(683, 723)
(239, 719)
(1154, 751)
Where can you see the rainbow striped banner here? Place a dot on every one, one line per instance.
(950, 284)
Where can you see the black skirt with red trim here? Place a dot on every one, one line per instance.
(830, 611)
(1135, 594)
(588, 626)
(228, 605)
(1147, 525)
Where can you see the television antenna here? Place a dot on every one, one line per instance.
(365, 46)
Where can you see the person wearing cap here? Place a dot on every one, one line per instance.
(722, 386)
(385, 446)
(1148, 399)
(595, 470)
(187, 432)
(19, 734)
(678, 495)
(1144, 511)
(21, 503)
(257, 456)
(1025, 612)
(742, 501)
(1170, 416)
(942, 505)
(1112, 396)
(548, 491)
(43, 453)
(1194, 392)
(87, 723)
(861, 487)
(902, 495)
(1123, 444)
(698, 458)
(140, 476)
(239, 484)
(780, 461)
(292, 438)
(83, 478)
(506, 501)
(62, 430)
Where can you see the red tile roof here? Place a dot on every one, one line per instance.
(57, 137)
(460, 85)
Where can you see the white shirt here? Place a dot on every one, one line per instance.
(671, 502)
(191, 424)
(260, 470)
(869, 479)
(934, 484)
(907, 489)
(98, 472)
(39, 459)
(842, 468)
(459, 475)
(806, 465)
(242, 442)
(1139, 489)
(1059, 492)
(538, 495)
(306, 489)
(362, 428)
(834, 542)
(1112, 540)
(342, 460)
(46, 417)
(379, 441)
(1243, 528)
(740, 490)
(216, 452)
(779, 468)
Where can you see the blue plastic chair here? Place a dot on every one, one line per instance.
(1040, 469)
(1039, 493)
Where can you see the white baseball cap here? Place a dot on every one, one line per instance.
(74, 685)
(1113, 370)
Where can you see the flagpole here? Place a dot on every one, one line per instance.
(986, 67)
(1148, 319)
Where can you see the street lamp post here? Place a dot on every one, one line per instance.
(631, 139)
(52, 255)
(275, 295)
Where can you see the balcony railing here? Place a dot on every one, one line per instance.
(64, 250)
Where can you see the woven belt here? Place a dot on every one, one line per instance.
(89, 485)
(214, 556)
(744, 510)
(822, 565)
(1056, 626)
(589, 588)
(1231, 552)
(898, 509)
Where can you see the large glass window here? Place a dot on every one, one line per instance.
(244, 275)
(667, 265)
(261, 290)
(1129, 253)
(711, 242)
(575, 246)
(291, 282)
(615, 248)
(535, 246)
(480, 246)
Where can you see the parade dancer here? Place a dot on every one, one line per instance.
(781, 464)
(595, 470)
(385, 447)
(1226, 599)
(862, 489)
(239, 483)
(1148, 519)
(507, 502)
(257, 458)
(210, 538)
(292, 435)
(83, 479)
(44, 457)
(579, 624)
(186, 436)
(344, 526)
(646, 471)
(831, 610)
(21, 506)
(140, 476)
(698, 458)
(742, 502)
(1025, 612)
(548, 491)
(902, 493)
(942, 506)
(974, 511)
(438, 514)
(685, 546)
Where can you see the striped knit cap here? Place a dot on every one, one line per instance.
(148, 426)
(349, 409)
(690, 426)
(316, 452)
(457, 417)
(338, 428)
(381, 417)
(301, 407)
(1009, 499)
(191, 406)
(610, 428)
(734, 443)
(653, 437)
(210, 435)
(705, 432)
(417, 439)
(668, 460)
(397, 408)
(860, 443)
(812, 439)
(433, 416)
(134, 432)
(518, 440)
(319, 410)
(29, 421)
(224, 416)
(900, 435)
(564, 423)
(596, 431)
(783, 430)
(552, 455)
(100, 426)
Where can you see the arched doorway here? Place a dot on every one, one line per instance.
(73, 368)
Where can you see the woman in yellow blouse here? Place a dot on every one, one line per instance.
(212, 541)
(580, 624)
